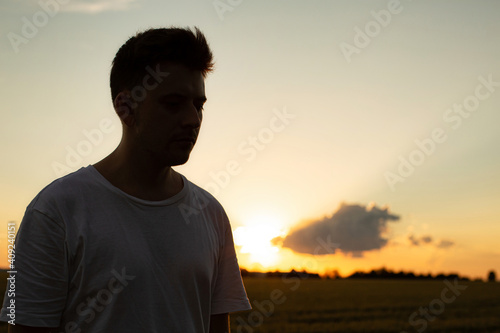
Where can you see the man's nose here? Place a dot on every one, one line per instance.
(192, 117)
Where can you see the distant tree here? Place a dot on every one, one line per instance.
(332, 274)
(492, 277)
(336, 274)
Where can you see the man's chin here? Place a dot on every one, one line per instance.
(178, 163)
(178, 160)
(174, 156)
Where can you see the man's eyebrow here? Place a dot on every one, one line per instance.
(178, 95)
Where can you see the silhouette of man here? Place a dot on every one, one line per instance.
(128, 244)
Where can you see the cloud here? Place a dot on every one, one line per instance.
(417, 241)
(444, 244)
(424, 240)
(353, 229)
(98, 6)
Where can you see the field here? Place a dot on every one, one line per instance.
(302, 306)
(369, 306)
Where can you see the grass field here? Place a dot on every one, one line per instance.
(369, 306)
(321, 306)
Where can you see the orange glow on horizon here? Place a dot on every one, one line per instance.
(255, 240)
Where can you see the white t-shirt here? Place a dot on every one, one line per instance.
(91, 258)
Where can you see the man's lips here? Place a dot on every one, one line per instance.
(186, 139)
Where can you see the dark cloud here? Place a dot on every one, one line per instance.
(424, 240)
(351, 229)
(413, 240)
(444, 244)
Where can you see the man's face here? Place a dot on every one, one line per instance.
(168, 120)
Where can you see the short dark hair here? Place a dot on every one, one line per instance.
(150, 47)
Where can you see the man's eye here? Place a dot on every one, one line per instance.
(171, 105)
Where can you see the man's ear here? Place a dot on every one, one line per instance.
(125, 108)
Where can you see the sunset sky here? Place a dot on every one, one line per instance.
(342, 135)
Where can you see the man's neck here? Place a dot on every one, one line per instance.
(139, 177)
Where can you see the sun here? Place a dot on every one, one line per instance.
(255, 240)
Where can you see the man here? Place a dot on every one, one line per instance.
(128, 244)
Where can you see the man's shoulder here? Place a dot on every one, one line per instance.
(198, 190)
(202, 201)
(63, 188)
(203, 195)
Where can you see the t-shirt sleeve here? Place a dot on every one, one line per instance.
(229, 293)
(40, 283)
